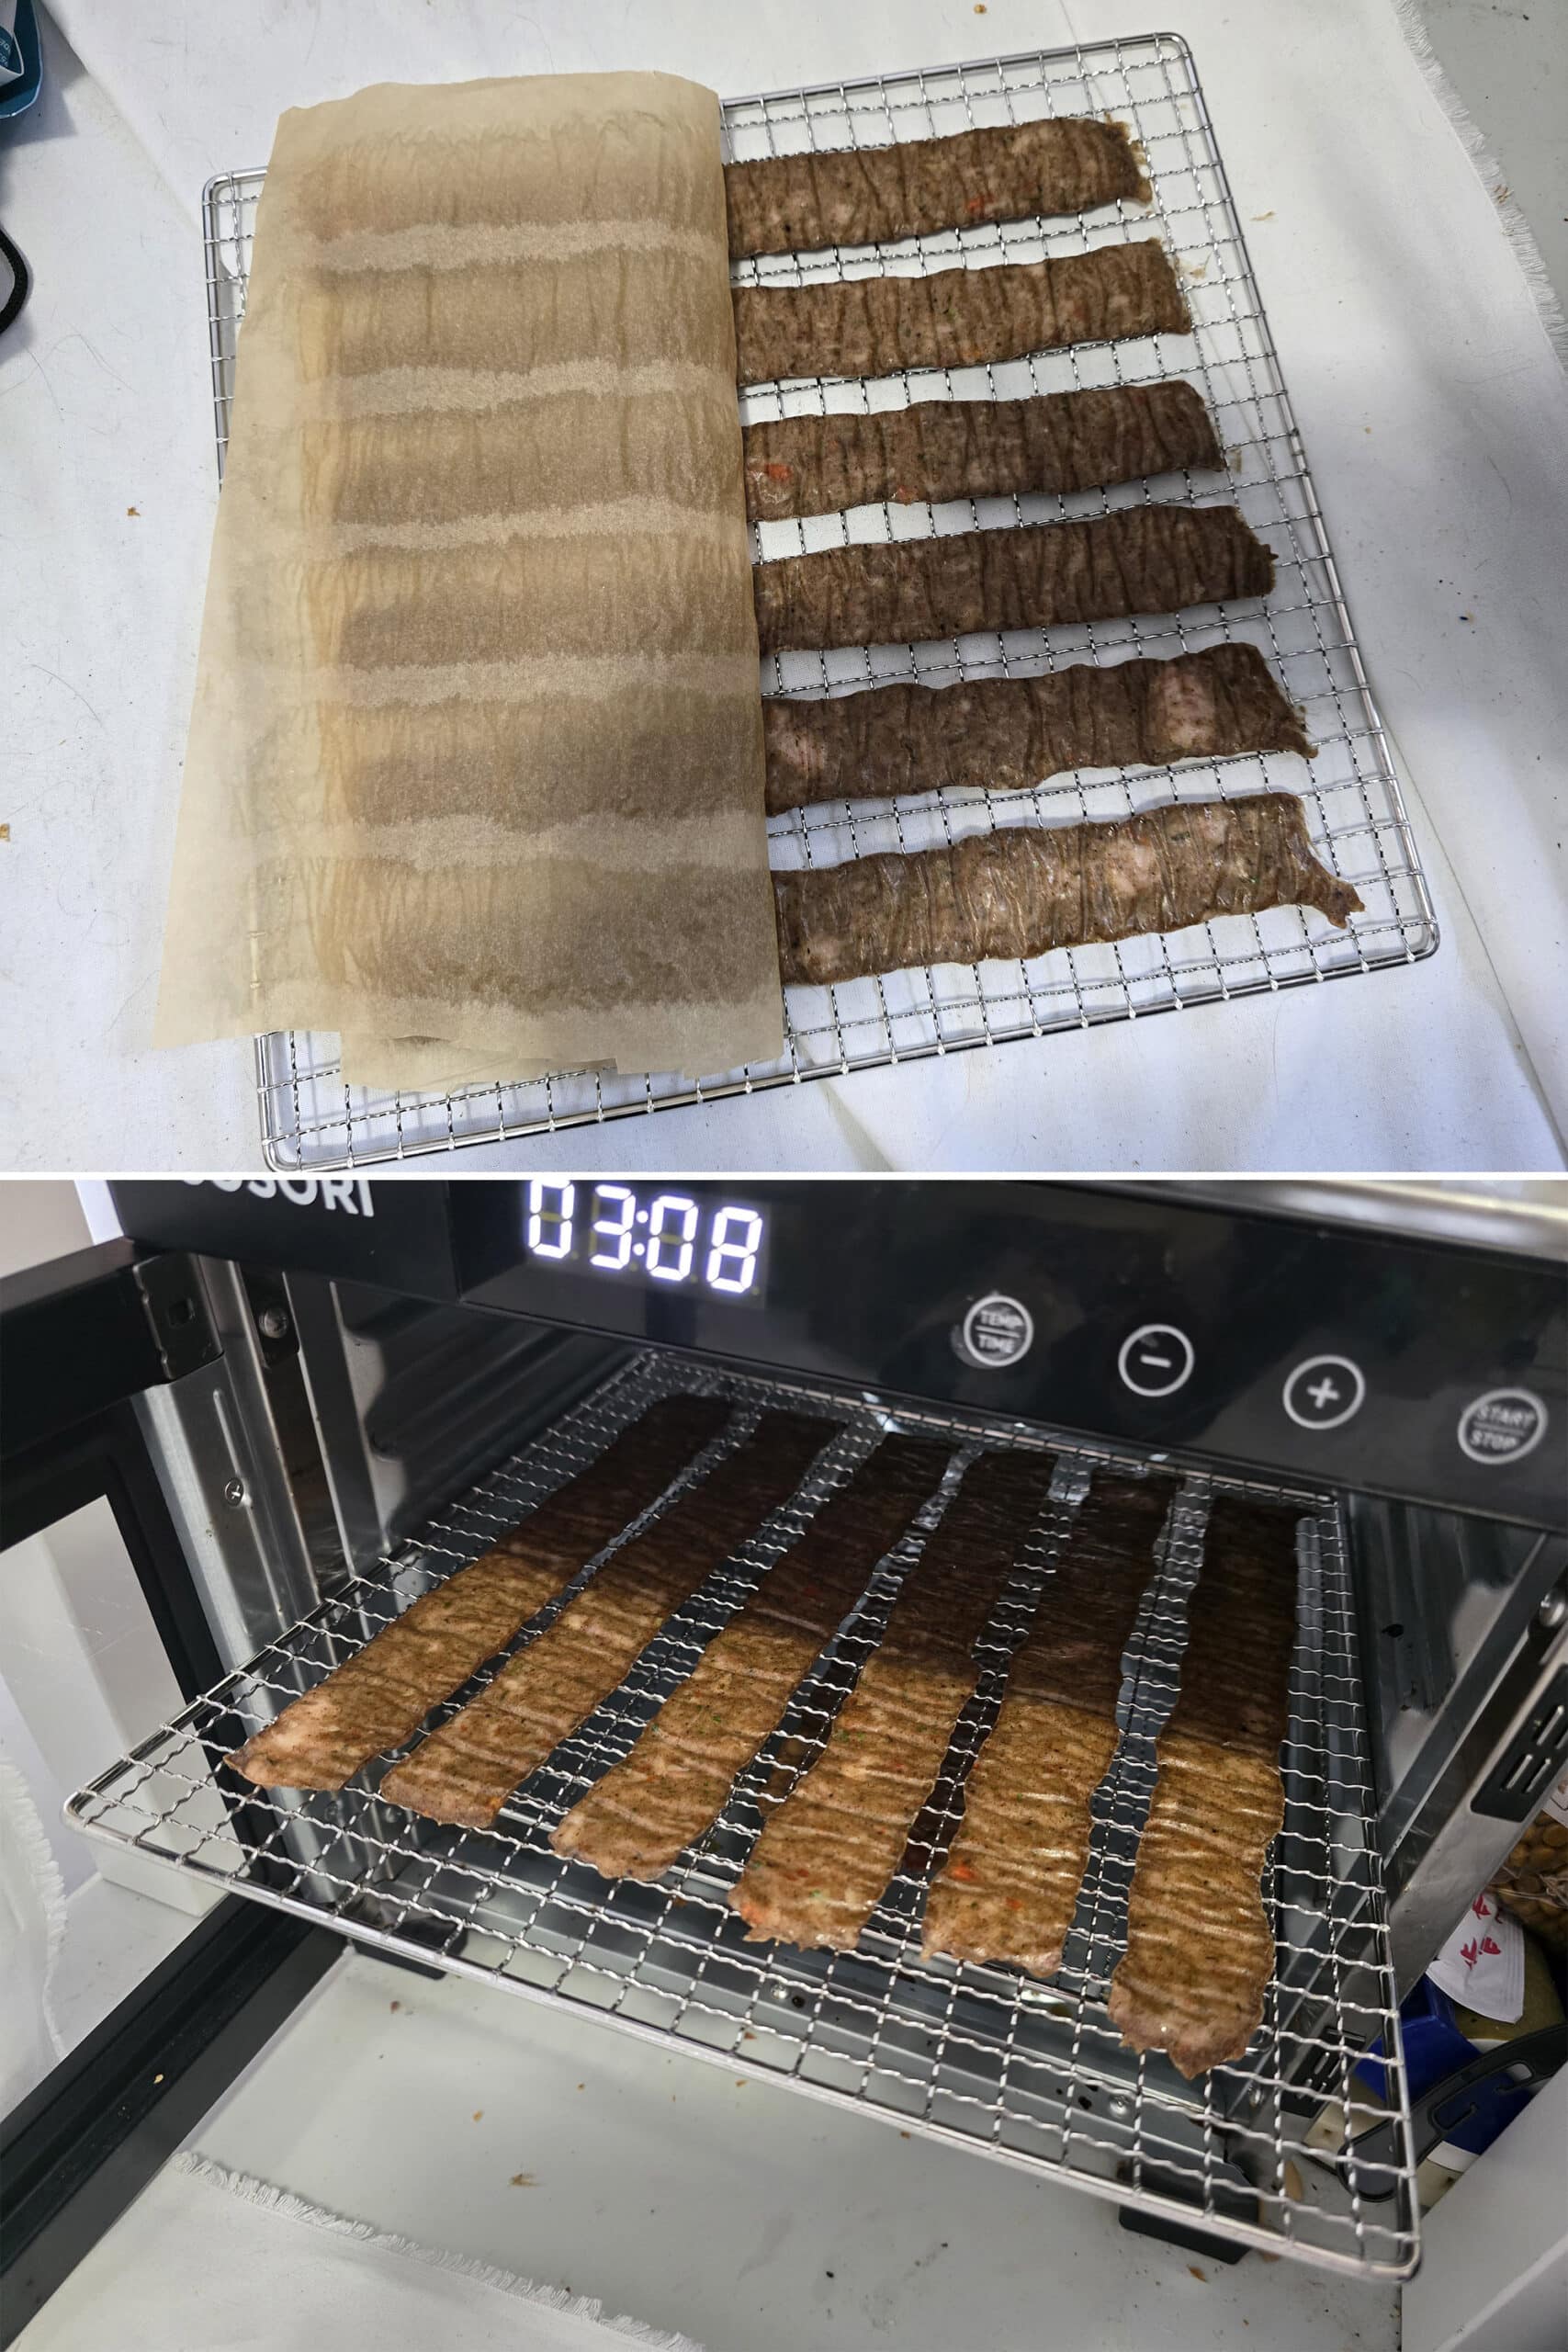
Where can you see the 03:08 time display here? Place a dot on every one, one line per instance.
(611, 1229)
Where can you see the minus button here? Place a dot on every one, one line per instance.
(1155, 1360)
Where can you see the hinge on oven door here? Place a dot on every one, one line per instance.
(86, 1332)
(179, 1311)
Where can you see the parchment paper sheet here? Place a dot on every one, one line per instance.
(476, 753)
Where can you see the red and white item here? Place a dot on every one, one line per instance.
(1481, 1966)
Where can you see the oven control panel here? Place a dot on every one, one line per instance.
(1356, 1358)
(1348, 1355)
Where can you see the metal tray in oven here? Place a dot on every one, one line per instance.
(1026, 2071)
(312, 1119)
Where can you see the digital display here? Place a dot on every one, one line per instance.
(665, 1237)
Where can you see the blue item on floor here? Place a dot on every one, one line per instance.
(1434, 2049)
(22, 53)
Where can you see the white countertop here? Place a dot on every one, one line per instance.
(732, 2210)
(1435, 417)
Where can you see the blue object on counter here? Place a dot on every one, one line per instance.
(23, 49)
(1434, 2049)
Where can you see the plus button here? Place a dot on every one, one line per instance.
(1324, 1392)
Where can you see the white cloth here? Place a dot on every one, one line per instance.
(32, 1924)
(210, 2261)
(1435, 416)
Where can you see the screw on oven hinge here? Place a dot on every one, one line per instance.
(1554, 1610)
(234, 1493)
(273, 1323)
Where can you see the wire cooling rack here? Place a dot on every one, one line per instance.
(312, 1119)
(1028, 2072)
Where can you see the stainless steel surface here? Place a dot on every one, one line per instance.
(1450, 1608)
(1527, 1216)
(412, 1399)
(1462, 1627)
(310, 1118)
(240, 1477)
(1026, 2072)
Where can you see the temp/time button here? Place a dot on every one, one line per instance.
(1502, 1425)
(996, 1332)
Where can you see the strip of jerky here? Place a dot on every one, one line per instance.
(1021, 891)
(636, 1820)
(466, 1770)
(865, 195)
(818, 464)
(1199, 1952)
(1140, 560)
(1006, 734)
(1011, 1879)
(377, 1698)
(827, 1853)
(955, 318)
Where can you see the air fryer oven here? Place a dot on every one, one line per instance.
(343, 1390)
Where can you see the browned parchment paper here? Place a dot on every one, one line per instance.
(476, 756)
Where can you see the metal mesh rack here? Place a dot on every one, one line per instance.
(1029, 2072)
(312, 1119)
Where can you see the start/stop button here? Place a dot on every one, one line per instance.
(996, 1331)
(1502, 1425)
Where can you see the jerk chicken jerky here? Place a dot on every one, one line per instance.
(936, 449)
(1140, 560)
(956, 318)
(1023, 890)
(862, 196)
(1005, 734)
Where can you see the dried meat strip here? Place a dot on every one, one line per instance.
(1241, 1630)
(955, 318)
(864, 196)
(935, 449)
(827, 1853)
(1005, 734)
(1140, 560)
(381, 1695)
(1199, 1952)
(1023, 890)
(635, 1821)
(466, 1770)
(1009, 1887)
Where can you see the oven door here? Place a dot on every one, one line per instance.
(168, 1506)
(134, 2002)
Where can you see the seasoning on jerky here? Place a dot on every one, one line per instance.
(466, 1770)
(1200, 1952)
(1139, 560)
(635, 1821)
(864, 196)
(828, 1851)
(1005, 734)
(1023, 890)
(936, 449)
(956, 318)
(378, 1698)
(1011, 1881)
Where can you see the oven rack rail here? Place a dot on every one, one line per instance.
(311, 1118)
(1028, 2072)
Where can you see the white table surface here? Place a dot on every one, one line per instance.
(1435, 417)
(735, 2210)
